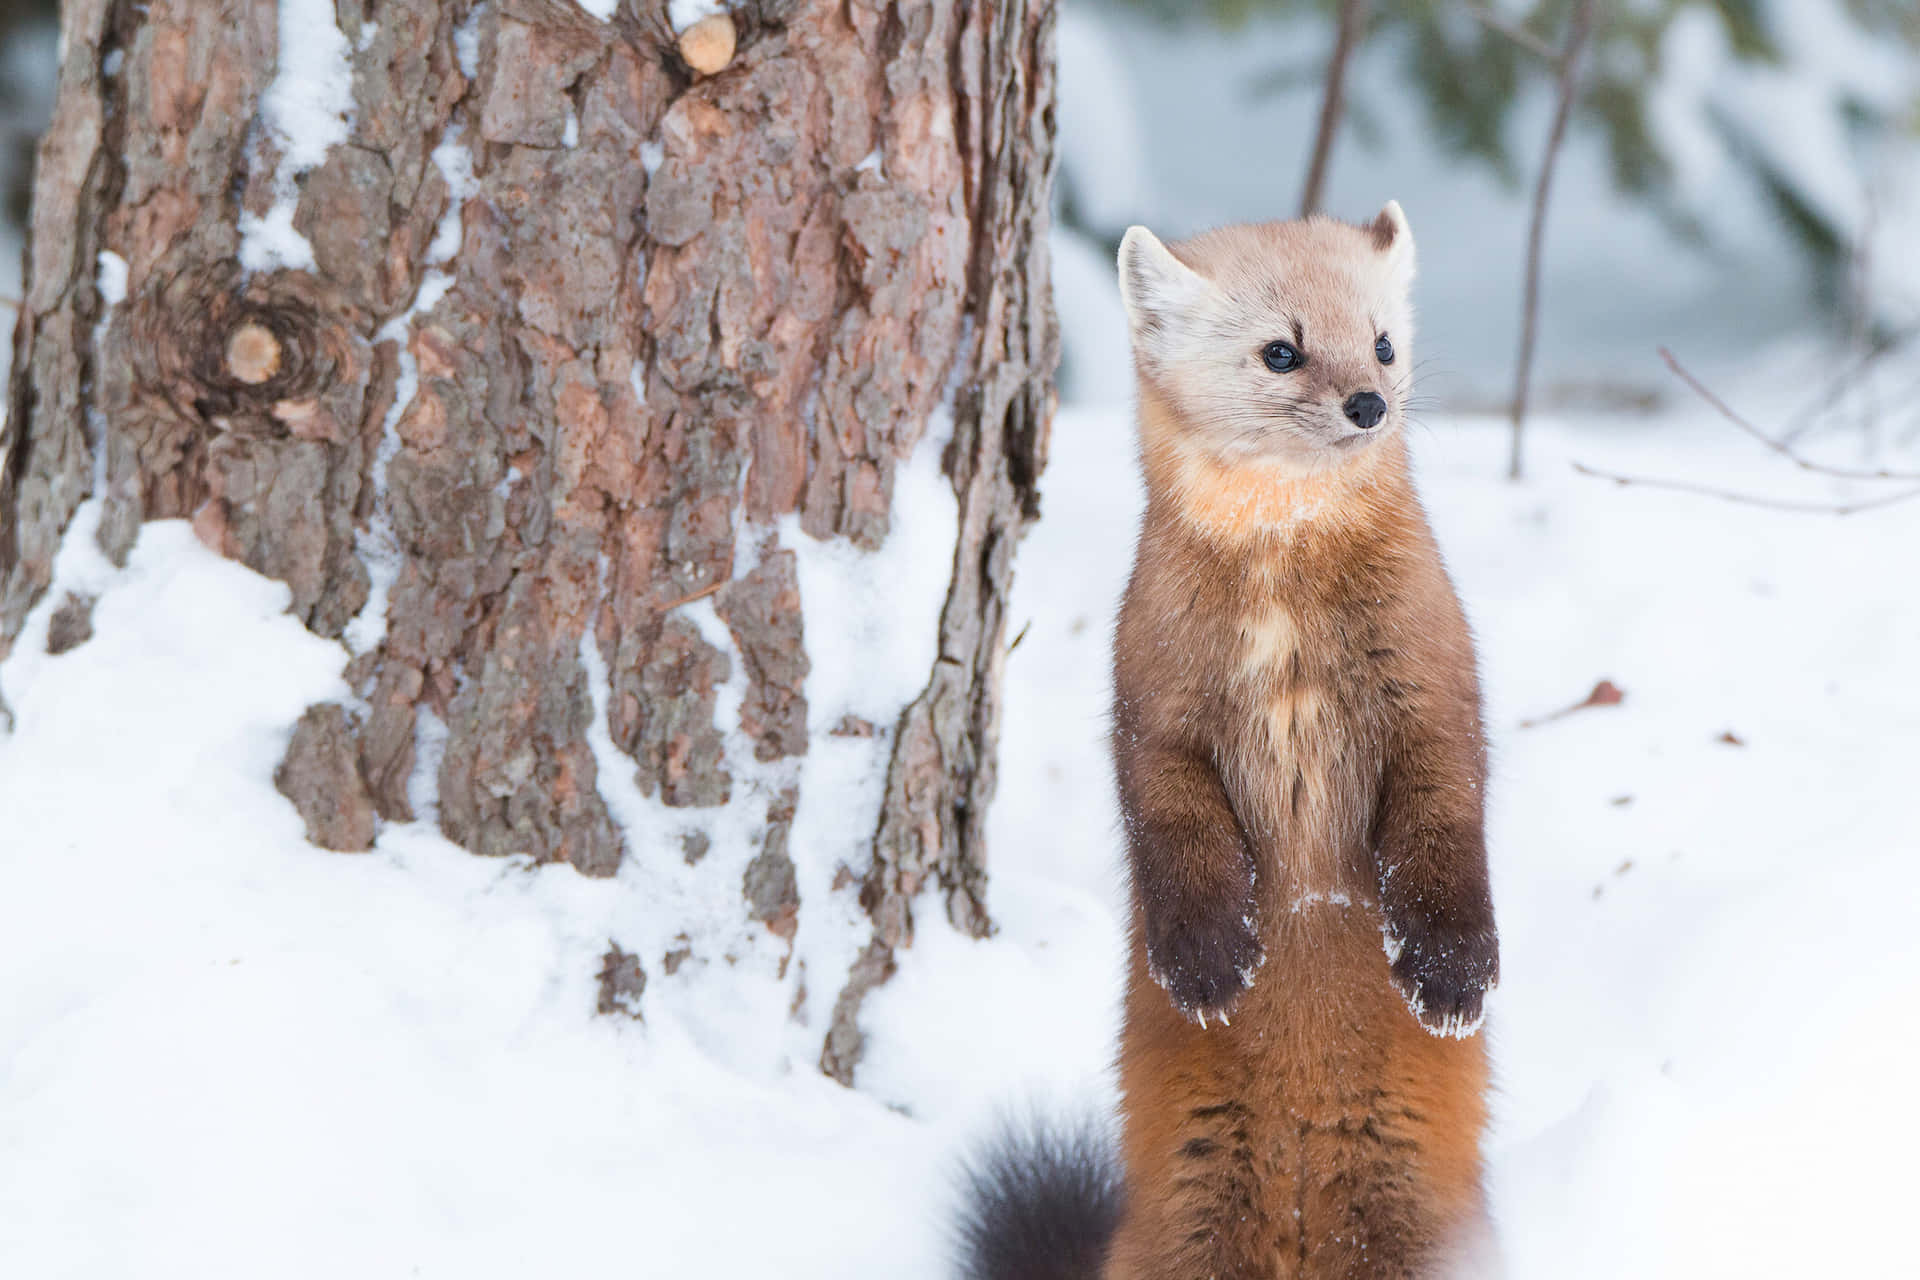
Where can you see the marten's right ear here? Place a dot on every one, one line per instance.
(1157, 288)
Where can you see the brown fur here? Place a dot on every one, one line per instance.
(1299, 752)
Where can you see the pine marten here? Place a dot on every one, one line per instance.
(1300, 759)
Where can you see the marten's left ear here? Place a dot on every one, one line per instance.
(1394, 238)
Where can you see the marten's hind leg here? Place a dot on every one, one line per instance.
(1196, 1190)
(1362, 1217)
(1395, 1184)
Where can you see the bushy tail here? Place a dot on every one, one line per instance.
(1042, 1202)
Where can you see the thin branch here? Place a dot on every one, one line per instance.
(1837, 389)
(1353, 23)
(1515, 32)
(10, 302)
(1578, 29)
(1778, 446)
(1748, 499)
(1860, 302)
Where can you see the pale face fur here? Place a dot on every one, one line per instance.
(1203, 313)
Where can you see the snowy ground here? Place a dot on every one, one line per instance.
(223, 1052)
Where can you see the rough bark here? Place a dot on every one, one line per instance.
(682, 305)
(321, 775)
(71, 625)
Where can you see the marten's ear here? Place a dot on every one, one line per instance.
(1393, 237)
(1157, 288)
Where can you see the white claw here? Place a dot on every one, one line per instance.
(1202, 1015)
(1225, 1021)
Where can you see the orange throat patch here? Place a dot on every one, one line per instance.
(1245, 501)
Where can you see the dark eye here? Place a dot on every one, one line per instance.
(1280, 357)
(1383, 349)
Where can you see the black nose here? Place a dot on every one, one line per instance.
(1366, 408)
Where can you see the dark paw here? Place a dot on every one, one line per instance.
(1444, 973)
(1205, 960)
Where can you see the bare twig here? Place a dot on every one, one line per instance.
(1353, 22)
(10, 302)
(1860, 302)
(1748, 499)
(1836, 390)
(1780, 447)
(1568, 67)
(1515, 32)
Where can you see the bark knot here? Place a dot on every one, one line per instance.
(253, 353)
(256, 356)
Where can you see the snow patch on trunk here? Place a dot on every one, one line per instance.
(308, 110)
(377, 545)
(309, 106)
(872, 624)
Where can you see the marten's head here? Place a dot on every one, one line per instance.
(1285, 343)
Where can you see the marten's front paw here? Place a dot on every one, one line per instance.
(1444, 972)
(1205, 959)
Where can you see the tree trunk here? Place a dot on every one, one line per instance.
(540, 355)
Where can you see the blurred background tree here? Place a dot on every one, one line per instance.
(1470, 66)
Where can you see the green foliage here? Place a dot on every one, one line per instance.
(1469, 77)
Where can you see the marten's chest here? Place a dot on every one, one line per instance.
(1301, 749)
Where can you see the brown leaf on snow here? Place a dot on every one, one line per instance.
(1732, 739)
(1605, 694)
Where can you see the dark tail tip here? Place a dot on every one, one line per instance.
(1042, 1202)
